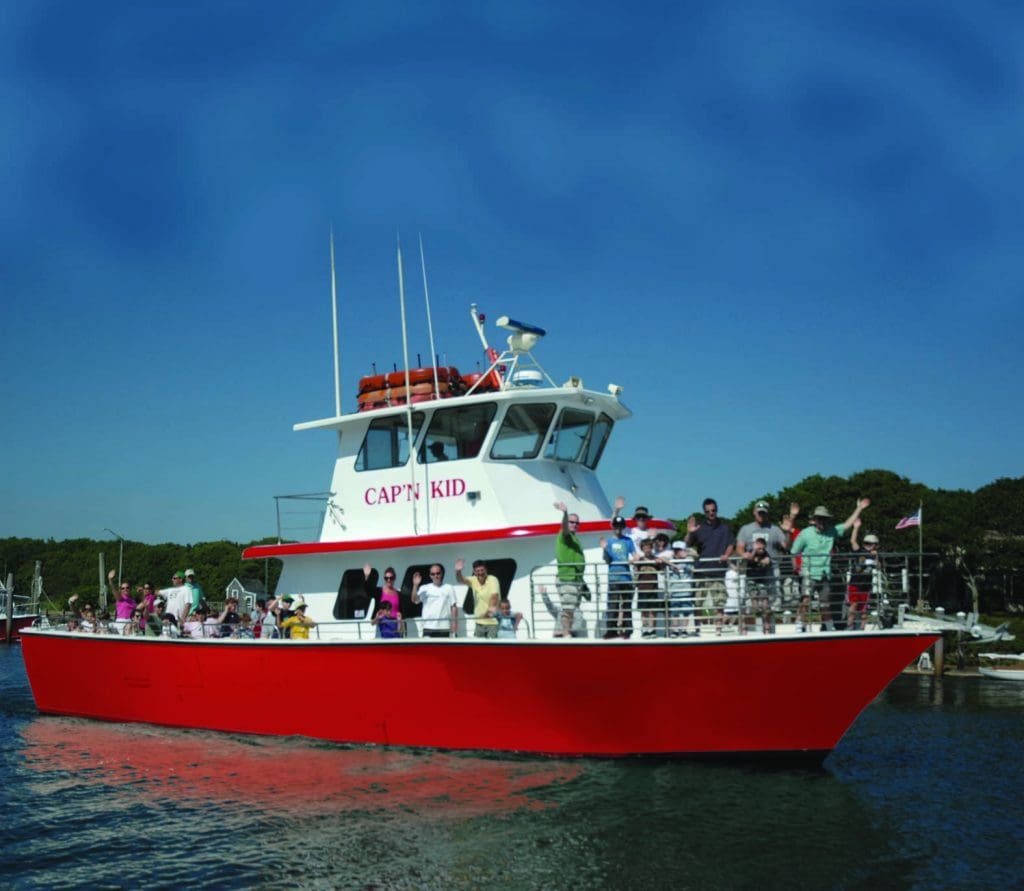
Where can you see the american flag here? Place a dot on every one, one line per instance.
(913, 520)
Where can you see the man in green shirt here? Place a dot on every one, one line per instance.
(569, 555)
(816, 543)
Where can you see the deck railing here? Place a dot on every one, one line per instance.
(689, 597)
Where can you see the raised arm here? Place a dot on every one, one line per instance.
(691, 529)
(861, 505)
(560, 505)
(416, 579)
(460, 564)
(620, 503)
(854, 544)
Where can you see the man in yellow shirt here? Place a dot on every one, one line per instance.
(298, 623)
(486, 594)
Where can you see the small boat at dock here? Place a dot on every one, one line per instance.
(1002, 666)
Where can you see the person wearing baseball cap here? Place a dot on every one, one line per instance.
(641, 515)
(863, 565)
(297, 625)
(618, 553)
(776, 541)
(194, 588)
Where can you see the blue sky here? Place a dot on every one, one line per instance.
(791, 232)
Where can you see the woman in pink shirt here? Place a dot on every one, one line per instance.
(388, 593)
(122, 594)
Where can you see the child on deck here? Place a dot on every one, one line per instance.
(759, 581)
(648, 589)
(508, 622)
(389, 623)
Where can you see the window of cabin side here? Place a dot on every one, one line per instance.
(352, 600)
(456, 433)
(571, 437)
(523, 430)
(598, 439)
(386, 443)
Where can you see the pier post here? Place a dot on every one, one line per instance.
(938, 657)
(9, 607)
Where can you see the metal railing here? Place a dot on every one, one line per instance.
(688, 597)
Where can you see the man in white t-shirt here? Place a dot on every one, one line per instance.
(440, 615)
(178, 598)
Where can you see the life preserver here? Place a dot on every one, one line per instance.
(373, 396)
(396, 394)
(372, 382)
(488, 382)
(445, 373)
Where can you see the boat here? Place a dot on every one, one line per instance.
(478, 470)
(1002, 666)
(23, 614)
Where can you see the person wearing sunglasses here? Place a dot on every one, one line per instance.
(84, 618)
(154, 621)
(387, 593)
(863, 566)
(146, 598)
(440, 615)
(571, 563)
(133, 626)
(124, 603)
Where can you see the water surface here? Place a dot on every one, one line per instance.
(923, 792)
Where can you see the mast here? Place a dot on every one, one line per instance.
(430, 324)
(334, 327)
(408, 394)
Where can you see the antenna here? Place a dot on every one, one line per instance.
(430, 325)
(334, 320)
(408, 404)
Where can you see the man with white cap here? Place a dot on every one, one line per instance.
(681, 590)
(816, 543)
(863, 566)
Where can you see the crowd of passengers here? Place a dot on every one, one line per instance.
(181, 611)
(715, 577)
(710, 577)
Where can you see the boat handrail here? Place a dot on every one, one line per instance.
(681, 597)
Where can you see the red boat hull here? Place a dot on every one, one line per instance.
(739, 696)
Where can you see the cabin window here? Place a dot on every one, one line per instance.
(387, 442)
(352, 600)
(571, 437)
(523, 430)
(456, 433)
(598, 439)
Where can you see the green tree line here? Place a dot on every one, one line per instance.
(72, 566)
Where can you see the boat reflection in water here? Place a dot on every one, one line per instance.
(286, 774)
